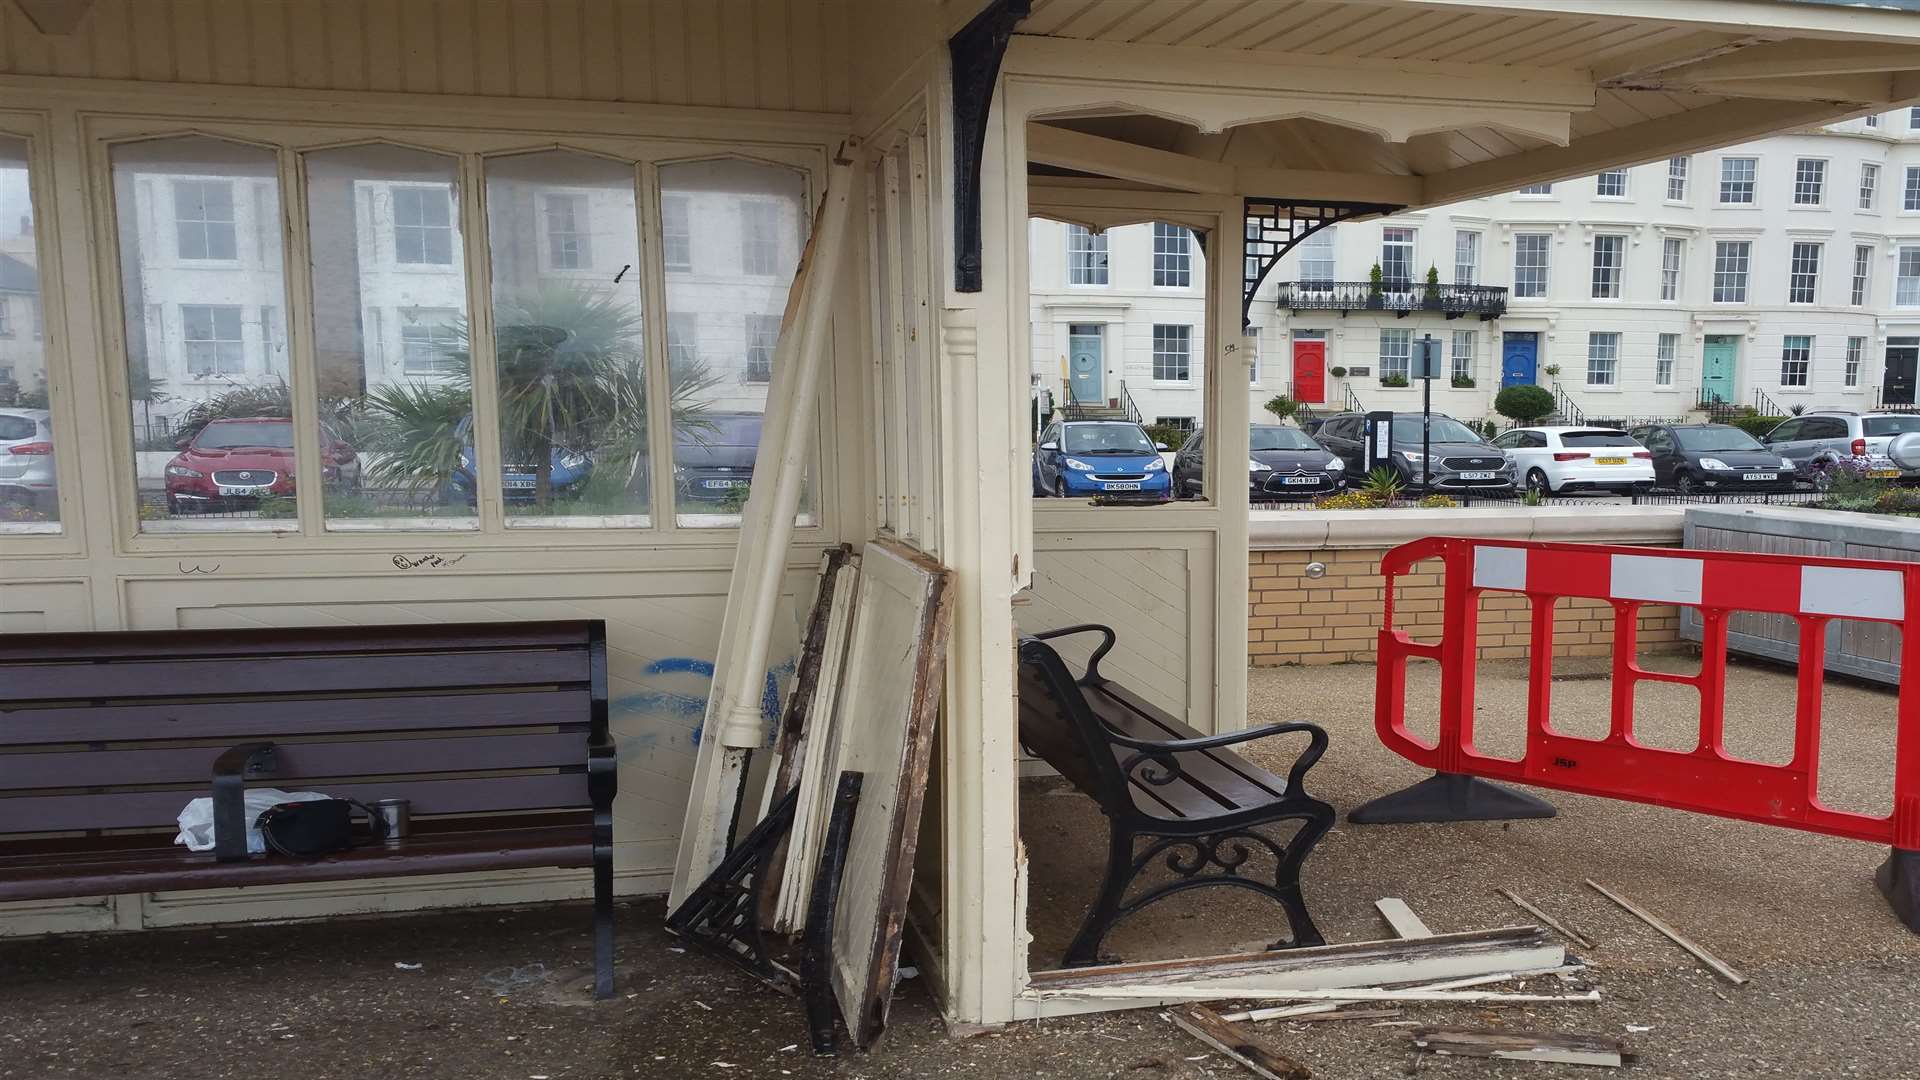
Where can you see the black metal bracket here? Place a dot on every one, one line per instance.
(816, 955)
(975, 51)
(231, 771)
(722, 916)
(1277, 226)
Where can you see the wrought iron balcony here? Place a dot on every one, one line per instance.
(1401, 298)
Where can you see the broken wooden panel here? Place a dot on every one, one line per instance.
(883, 727)
(1326, 967)
(1571, 1049)
(1241, 1044)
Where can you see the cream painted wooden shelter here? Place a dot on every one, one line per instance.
(221, 194)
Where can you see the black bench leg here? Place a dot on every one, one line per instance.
(603, 920)
(1120, 870)
(1286, 881)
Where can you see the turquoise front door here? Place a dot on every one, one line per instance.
(1717, 360)
(1085, 378)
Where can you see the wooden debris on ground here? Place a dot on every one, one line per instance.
(1565, 931)
(1238, 1043)
(1568, 1049)
(1401, 917)
(1345, 1014)
(1285, 1011)
(1719, 966)
(1345, 993)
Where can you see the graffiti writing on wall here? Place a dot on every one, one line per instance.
(694, 706)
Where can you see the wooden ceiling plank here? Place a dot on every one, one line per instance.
(1196, 19)
(1227, 31)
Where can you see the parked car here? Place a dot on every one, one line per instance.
(567, 471)
(26, 458)
(1713, 457)
(713, 455)
(1816, 438)
(1282, 463)
(1458, 459)
(232, 464)
(1550, 460)
(1113, 458)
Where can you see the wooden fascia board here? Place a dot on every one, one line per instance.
(1840, 89)
(1645, 64)
(1721, 124)
(1189, 68)
(1743, 17)
(1067, 149)
(1797, 59)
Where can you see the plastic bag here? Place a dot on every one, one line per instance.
(196, 821)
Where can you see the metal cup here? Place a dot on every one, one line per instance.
(394, 819)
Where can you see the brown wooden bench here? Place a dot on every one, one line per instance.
(1195, 802)
(496, 733)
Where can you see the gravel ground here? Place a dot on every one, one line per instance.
(504, 994)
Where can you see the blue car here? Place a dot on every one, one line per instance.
(1111, 458)
(568, 473)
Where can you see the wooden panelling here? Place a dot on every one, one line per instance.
(762, 54)
(41, 606)
(1142, 593)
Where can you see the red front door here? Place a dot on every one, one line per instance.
(1310, 371)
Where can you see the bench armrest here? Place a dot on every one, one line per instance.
(1161, 752)
(231, 771)
(603, 770)
(1093, 662)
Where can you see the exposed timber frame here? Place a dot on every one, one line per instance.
(975, 52)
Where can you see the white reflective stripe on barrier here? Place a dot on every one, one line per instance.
(1500, 568)
(1845, 591)
(1650, 577)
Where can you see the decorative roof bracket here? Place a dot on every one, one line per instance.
(976, 51)
(1277, 226)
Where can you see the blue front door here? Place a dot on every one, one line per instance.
(1086, 380)
(1520, 359)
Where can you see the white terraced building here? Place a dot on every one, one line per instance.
(1779, 273)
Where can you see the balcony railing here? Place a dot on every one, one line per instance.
(1453, 301)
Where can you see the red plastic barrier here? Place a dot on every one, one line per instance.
(1706, 779)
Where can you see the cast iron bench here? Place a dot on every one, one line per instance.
(1155, 778)
(495, 732)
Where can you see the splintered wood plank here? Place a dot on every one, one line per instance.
(1719, 966)
(1401, 917)
(1238, 1043)
(892, 679)
(1565, 931)
(1570, 1049)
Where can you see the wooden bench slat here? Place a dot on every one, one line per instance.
(494, 848)
(239, 721)
(267, 641)
(207, 677)
(1231, 780)
(153, 809)
(296, 761)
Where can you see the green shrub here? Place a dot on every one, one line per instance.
(1438, 502)
(1523, 404)
(1757, 426)
(1346, 500)
(1282, 406)
(1383, 485)
(1463, 382)
(1174, 437)
(1393, 380)
(1337, 371)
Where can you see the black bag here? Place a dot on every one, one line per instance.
(308, 830)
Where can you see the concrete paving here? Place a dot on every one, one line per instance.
(504, 994)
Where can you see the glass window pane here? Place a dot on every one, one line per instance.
(203, 289)
(29, 494)
(748, 221)
(390, 338)
(569, 353)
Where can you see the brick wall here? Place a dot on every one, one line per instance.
(1295, 619)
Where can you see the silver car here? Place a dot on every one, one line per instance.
(26, 458)
(1831, 435)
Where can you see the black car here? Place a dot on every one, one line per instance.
(1458, 459)
(713, 456)
(1713, 457)
(1282, 463)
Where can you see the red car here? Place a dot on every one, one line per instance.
(233, 464)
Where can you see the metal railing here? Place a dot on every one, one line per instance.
(1881, 404)
(1764, 405)
(1399, 297)
(1563, 403)
(1352, 399)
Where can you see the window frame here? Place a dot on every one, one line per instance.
(1609, 278)
(1466, 271)
(1749, 185)
(1093, 260)
(1722, 256)
(1809, 185)
(1796, 361)
(1803, 271)
(1910, 190)
(1867, 195)
(1672, 270)
(1680, 172)
(1666, 356)
(1545, 266)
(1174, 266)
(1906, 257)
(394, 189)
(1618, 178)
(1455, 355)
(1166, 334)
(1856, 359)
(1609, 358)
(1411, 244)
(1401, 363)
(1860, 288)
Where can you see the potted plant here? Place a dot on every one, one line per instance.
(1394, 381)
(1375, 296)
(1283, 406)
(1553, 371)
(1431, 298)
(1337, 372)
(1463, 382)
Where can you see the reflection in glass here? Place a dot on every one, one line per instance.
(390, 338)
(726, 289)
(29, 491)
(568, 349)
(203, 293)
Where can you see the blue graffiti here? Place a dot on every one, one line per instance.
(668, 701)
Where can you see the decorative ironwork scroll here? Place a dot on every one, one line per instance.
(1277, 226)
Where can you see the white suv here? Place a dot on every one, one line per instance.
(1555, 459)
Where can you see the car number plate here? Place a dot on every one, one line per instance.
(249, 489)
(1301, 480)
(1760, 476)
(721, 484)
(519, 485)
(1610, 461)
(1884, 474)
(1120, 487)
(1476, 476)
